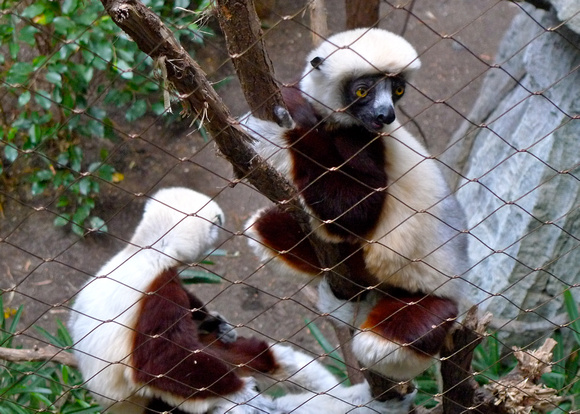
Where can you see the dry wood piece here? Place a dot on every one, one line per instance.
(48, 353)
(519, 391)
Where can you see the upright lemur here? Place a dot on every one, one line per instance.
(146, 345)
(373, 189)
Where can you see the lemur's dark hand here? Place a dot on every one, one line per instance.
(283, 117)
(216, 324)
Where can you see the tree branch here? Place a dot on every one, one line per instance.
(245, 41)
(49, 353)
(459, 387)
(197, 94)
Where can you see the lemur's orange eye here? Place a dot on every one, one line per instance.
(399, 90)
(362, 92)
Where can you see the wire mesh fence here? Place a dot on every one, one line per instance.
(181, 300)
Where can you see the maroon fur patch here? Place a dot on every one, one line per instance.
(414, 319)
(352, 194)
(168, 353)
(248, 355)
(279, 231)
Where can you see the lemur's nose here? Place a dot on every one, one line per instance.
(386, 117)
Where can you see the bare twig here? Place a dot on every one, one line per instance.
(197, 94)
(49, 353)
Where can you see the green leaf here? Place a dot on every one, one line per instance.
(37, 188)
(136, 111)
(62, 220)
(98, 224)
(85, 186)
(554, 380)
(24, 98)
(62, 25)
(558, 353)
(220, 253)
(96, 128)
(14, 49)
(33, 10)
(81, 215)
(43, 175)
(158, 108)
(57, 95)
(54, 77)
(42, 98)
(184, 4)
(15, 320)
(86, 73)
(10, 153)
(195, 276)
(26, 35)
(63, 201)
(572, 309)
(75, 158)
(106, 172)
(6, 31)
(573, 368)
(78, 230)
(125, 69)
(69, 6)
(19, 73)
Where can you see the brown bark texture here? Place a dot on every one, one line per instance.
(38, 354)
(361, 13)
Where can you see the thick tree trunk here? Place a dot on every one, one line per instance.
(361, 13)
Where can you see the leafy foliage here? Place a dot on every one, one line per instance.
(565, 375)
(67, 69)
(30, 387)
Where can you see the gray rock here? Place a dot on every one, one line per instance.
(568, 12)
(521, 185)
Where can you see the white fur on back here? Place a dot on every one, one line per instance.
(105, 309)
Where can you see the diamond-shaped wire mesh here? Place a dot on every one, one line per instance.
(92, 129)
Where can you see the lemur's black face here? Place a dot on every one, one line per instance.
(371, 99)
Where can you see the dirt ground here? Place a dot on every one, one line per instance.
(42, 267)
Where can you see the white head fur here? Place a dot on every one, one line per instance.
(179, 223)
(349, 55)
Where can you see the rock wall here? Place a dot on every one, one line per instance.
(521, 185)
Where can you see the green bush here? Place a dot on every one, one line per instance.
(32, 387)
(66, 67)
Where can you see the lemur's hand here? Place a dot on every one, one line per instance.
(217, 324)
(283, 118)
